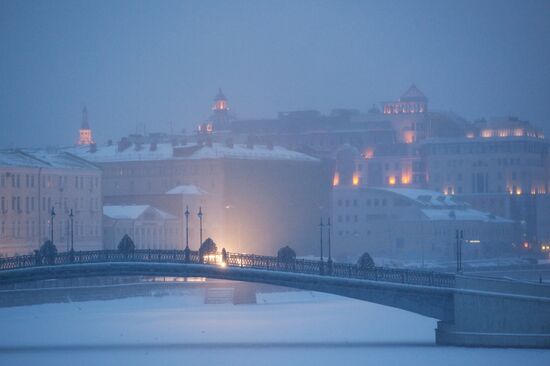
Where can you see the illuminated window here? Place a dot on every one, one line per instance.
(355, 179)
(336, 179)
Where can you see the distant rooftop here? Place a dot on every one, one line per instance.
(413, 94)
(132, 212)
(424, 197)
(40, 158)
(166, 151)
(437, 206)
(187, 190)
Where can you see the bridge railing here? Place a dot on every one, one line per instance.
(304, 266)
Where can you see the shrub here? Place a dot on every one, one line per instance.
(48, 251)
(208, 247)
(286, 254)
(126, 244)
(365, 262)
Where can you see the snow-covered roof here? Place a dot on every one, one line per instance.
(132, 212)
(464, 214)
(14, 158)
(187, 190)
(39, 158)
(423, 196)
(413, 93)
(166, 151)
(110, 153)
(437, 206)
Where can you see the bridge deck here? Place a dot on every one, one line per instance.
(252, 261)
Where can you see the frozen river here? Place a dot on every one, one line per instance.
(293, 328)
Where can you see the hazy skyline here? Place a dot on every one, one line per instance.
(159, 64)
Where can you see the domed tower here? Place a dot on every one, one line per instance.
(220, 118)
(85, 137)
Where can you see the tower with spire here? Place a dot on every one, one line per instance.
(85, 137)
(220, 118)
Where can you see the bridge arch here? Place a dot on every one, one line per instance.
(434, 302)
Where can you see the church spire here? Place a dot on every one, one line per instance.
(84, 125)
(85, 137)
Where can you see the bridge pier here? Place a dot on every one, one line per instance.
(497, 313)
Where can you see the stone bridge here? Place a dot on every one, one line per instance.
(472, 311)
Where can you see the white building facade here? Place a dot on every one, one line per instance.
(34, 182)
(414, 224)
(147, 226)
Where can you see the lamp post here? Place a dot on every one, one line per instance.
(52, 216)
(71, 217)
(200, 225)
(186, 251)
(329, 262)
(459, 237)
(321, 266)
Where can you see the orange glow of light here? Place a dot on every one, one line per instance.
(209, 128)
(391, 180)
(368, 153)
(405, 179)
(503, 133)
(355, 179)
(519, 132)
(336, 179)
(525, 245)
(408, 137)
(487, 133)
(518, 191)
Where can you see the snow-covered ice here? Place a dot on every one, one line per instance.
(291, 328)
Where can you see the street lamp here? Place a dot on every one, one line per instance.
(186, 251)
(329, 262)
(186, 213)
(52, 216)
(459, 238)
(321, 267)
(200, 225)
(71, 217)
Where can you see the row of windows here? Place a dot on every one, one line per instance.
(30, 204)
(147, 171)
(48, 181)
(29, 229)
(369, 202)
(485, 147)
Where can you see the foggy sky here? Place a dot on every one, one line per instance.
(160, 63)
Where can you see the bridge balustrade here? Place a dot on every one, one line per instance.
(303, 266)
